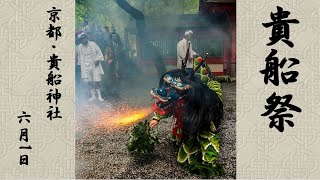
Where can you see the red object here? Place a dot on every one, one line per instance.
(218, 73)
(158, 110)
(230, 9)
(199, 59)
(178, 114)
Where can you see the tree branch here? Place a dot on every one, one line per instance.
(135, 13)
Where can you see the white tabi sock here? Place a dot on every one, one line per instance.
(99, 95)
(93, 97)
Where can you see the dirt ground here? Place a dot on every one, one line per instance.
(101, 151)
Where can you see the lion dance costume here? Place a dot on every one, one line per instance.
(195, 102)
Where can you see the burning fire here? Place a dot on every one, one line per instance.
(123, 117)
(113, 117)
(131, 117)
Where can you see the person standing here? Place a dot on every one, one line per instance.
(85, 27)
(182, 48)
(115, 55)
(107, 35)
(89, 57)
(99, 38)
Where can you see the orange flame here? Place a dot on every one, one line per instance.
(122, 118)
(132, 117)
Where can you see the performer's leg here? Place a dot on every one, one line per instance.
(97, 85)
(89, 79)
(92, 91)
(97, 80)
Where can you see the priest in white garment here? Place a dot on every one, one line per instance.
(89, 56)
(182, 48)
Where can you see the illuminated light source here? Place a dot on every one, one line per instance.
(132, 117)
(122, 118)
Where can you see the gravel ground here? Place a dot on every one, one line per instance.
(101, 151)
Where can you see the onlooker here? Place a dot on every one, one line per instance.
(107, 35)
(182, 48)
(114, 55)
(85, 27)
(89, 57)
(99, 38)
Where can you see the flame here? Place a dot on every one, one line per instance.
(132, 117)
(123, 118)
(111, 118)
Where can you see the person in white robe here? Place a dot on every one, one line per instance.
(89, 57)
(182, 48)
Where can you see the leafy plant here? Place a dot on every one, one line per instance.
(142, 139)
(222, 79)
(205, 170)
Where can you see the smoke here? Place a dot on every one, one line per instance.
(165, 22)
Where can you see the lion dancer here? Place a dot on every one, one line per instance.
(89, 57)
(194, 99)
